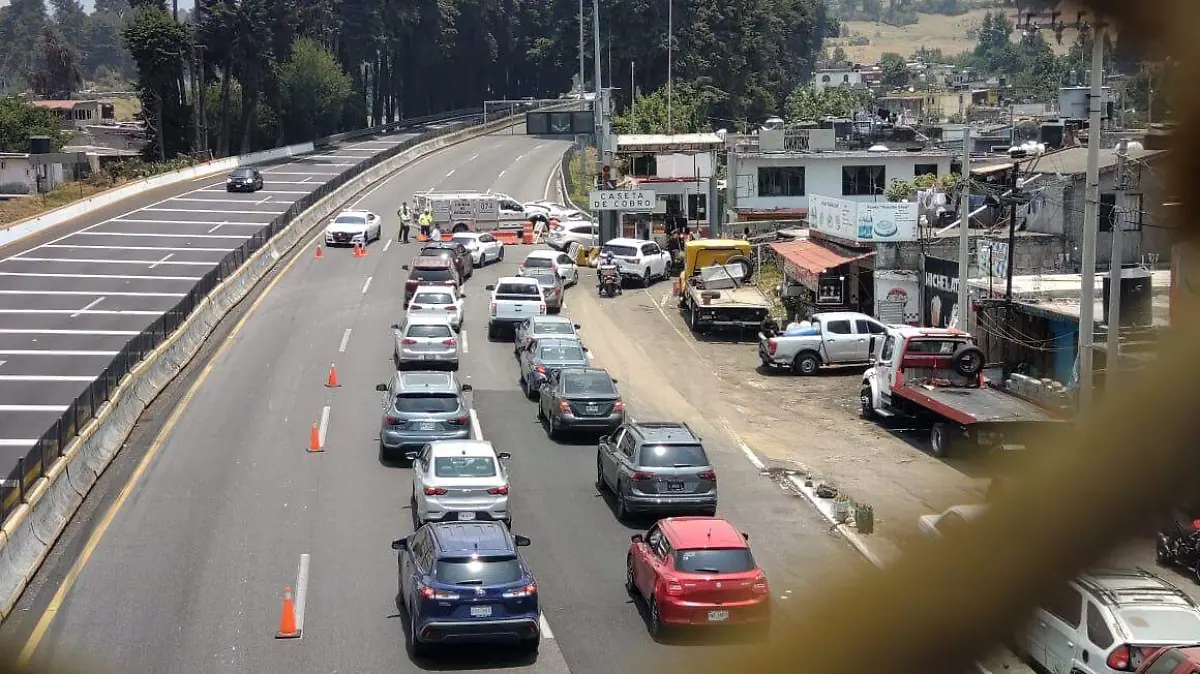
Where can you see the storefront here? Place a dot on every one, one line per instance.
(818, 276)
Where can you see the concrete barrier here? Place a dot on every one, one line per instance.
(30, 532)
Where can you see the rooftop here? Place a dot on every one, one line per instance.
(847, 154)
(1073, 161)
(661, 142)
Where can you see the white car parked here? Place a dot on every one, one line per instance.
(583, 232)
(639, 259)
(483, 247)
(352, 227)
(460, 480)
(437, 302)
(561, 263)
(545, 210)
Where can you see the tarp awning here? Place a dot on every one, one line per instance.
(806, 260)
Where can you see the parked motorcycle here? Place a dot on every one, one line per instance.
(609, 284)
(1179, 544)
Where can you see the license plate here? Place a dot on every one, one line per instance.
(481, 611)
(674, 486)
(718, 616)
(593, 408)
(427, 425)
(467, 517)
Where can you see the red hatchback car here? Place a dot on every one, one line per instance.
(697, 571)
(1175, 660)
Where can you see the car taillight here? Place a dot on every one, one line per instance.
(564, 406)
(618, 406)
(449, 307)
(760, 584)
(449, 283)
(392, 421)
(527, 591)
(450, 342)
(541, 369)
(409, 341)
(430, 593)
(459, 421)
(639, 476)
(542, 308)
(499, 491)
(771, 346)
(707, 475)
(1120, 659)
(435, 491)
(674, 588)
(493, 308)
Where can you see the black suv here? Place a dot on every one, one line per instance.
(452, 251)
(244, 179)
(658, 467)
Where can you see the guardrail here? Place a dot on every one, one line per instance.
(14, 490)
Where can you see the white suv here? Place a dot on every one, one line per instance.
(639, 259)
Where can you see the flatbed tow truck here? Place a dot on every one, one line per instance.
(935, 376)
(714, 287)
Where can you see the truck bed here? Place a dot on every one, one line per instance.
(743, 297)
(976, 405)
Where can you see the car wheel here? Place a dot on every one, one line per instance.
(1160, 553)
(385, 455)
(501, 256)
(491, 332)
(601, 485)
(630, 585)
(575, 278)
(416, 647)
(646, 280)
(867, 404)
(806, 363)
(541, 414)
(657, 628)
(552, 429)
(622, 512)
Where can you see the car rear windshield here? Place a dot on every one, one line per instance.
(491, 571)
(464, 466)
(673, 456)
(588, 383)
(627, 251)
(545, 278)
(425, 403)
(432, 275)
(433, 298)
(561, 354)
(422, 330)
(933, 347)
(715, 560)
(538, 262)
(528, 290)
(554, 328)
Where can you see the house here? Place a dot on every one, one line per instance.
(677, 167)
(77, 114)
(774, 179)
(21, 173)
(855, 76)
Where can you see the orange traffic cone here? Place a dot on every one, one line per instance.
(331, 381)
(287, 620)
(362, 250)
(314, 440)
(356, 253)
(320, 254)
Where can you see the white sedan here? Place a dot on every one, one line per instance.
(935, 526)
(484, 247)
(353, 227)
(437, 301)
(561, 263)
(460, 480)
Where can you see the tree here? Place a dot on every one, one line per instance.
(688, 113)
(806, 104)
(20, 120)
(21, 24)
(838, 58)
(158, 46)
(58, 73)
(894, 69)
(70, 19)
(314, 92)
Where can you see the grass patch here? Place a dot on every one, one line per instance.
(584, 166)
(767, 278)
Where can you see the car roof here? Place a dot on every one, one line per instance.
(626, 242)
(426, 382)
(431, 262)
(462, 448)
(702, 532)
(425, 319)
(436, 289)
(354, 211)
(541, 320)
(549, 254)
(448, 245)
(557, 340)
(1128, 588)
(468, 538)
(665, 432)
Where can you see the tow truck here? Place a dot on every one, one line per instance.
(714, 287)
(935, 376)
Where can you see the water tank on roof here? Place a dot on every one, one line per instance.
(40, 145)
(1137, 297)
(878, 148)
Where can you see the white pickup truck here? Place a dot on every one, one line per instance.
(514, 299)
(834, 338)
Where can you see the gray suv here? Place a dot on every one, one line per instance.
(421, 407)
(658, 467)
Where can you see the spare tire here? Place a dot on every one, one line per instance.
(747, 264)
(968, 360)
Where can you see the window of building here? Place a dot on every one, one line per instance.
(645, 165)
(863, 180)
(1108, 211)
(925, 170)
(781, 181)
(825, 79)
(845, 78)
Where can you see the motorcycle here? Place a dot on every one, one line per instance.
(1178, 544)
(609, 284)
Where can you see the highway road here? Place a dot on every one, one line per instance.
(72, 297)
(187, 574)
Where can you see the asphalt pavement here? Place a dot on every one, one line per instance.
(188, 576)
(71, 298)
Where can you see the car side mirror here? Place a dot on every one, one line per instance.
(504, 456)
(585, 350)
(603, 439)
(746, 536)
(400, 544)
(577, 326)
(636, 538)
(382, 388)
(614, 380)
(411, 456)
(490, 286)
(466, 388)
(404, 267)
(522, 541)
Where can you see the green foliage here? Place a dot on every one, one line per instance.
(314, 91)
(20, 120)
(158, 46)
(58, 74)
(649, 114)
(906, 190)
(810, 104)
(895, 71)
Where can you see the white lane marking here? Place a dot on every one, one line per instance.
(590, 355)
(152, 263)
(209, 210)
(38, 377)
(310, 174)
(367, 284)
(545, 626)
(538, 145)
(34, 331)
(89, 293)
(466, 347)
(324, 427)
(550, 179)
(475, 429)
(345, 341)
(474, 157)
(301, 592)
(90, 312)
(17, 442)
(281, 182)
(170, 248)
(451, 172)
(268, 198)
(33, 408)
(519, 157)
(113, 276)
(305, 180)
(501, 174)
(185, 222)
(89, 305)
(162, 235)
(218, 226)
(387, 245)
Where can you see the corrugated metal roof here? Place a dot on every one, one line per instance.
(1072, 161)
(811, 258)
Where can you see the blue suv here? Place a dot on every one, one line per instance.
(466, 582)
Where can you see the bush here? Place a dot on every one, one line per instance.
(859, 41)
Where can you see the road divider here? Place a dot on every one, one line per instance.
(51, 498)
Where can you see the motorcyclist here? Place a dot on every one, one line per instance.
(606, 266)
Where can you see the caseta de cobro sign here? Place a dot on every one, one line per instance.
(622, 200)
(863, 221)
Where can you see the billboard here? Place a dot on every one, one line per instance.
(940, 306)
(559, 123)
(863, 222)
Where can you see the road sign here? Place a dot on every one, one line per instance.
(622, 200)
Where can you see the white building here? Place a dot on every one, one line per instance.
(855, 76)
(677, 167)
(17, 169)
(776, 179)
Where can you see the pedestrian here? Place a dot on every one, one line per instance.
(405, 221)
(425, 221)
(435, 234)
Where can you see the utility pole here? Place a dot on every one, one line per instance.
(1115, 274)
(964, 230)
(632, 93)
(1091, 211)
(670, 62)
(582, 85)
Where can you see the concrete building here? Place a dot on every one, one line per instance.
(677, 167)
(22, 173)
(77, 114)
(854, 77)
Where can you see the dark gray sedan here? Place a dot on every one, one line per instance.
(552, 287)
(580, 399)
(545, 355)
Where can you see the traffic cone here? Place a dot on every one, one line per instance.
(356, 251)
(287, 620)
(331, 381)
(314, 440)
(320, 254)
(362, 250)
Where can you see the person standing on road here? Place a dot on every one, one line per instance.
(405, 221)
(425, 221)
(435, 234)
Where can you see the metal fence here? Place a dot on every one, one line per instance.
(34, 465)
